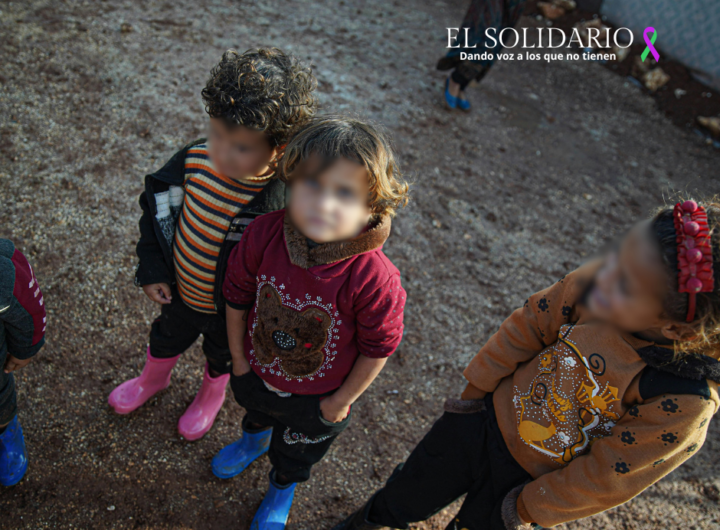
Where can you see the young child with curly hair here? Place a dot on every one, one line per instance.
(314, 306)
(597, 388)
(22, 334)
(195, 209)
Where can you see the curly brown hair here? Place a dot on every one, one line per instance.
(332, 137)
(263, 89)
(706, 324)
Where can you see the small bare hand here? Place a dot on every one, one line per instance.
(158, 292)
(13, 363)
(332, 411)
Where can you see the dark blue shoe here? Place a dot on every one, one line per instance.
(275, 507)
(234, 458)
(450, 100)
(13, 457)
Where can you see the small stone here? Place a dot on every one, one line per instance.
(655, 79)
(550, 11)
(599, 36)
(587, 196)
(711, 124)
(567, 5)
(111, 508)
(620, 53)
(679, 92)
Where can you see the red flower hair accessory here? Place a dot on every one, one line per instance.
(695, 261)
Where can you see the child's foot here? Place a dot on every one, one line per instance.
(275, 507)
(134, 393)
(451, 91)
(200, 415)
(462, 103)
(234, 458)
(13, 457)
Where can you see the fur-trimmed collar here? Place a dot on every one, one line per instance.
(691, 366)
(303, 256)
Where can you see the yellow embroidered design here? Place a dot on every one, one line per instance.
(568, 404)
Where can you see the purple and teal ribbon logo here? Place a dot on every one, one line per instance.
(650, 44)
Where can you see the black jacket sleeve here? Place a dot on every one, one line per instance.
(155, 260)
(152, 267)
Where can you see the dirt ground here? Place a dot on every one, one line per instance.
(554, 161)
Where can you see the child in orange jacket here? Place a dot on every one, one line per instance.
(595, 389)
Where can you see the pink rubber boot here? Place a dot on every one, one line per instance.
(134, 393)
(200, 415)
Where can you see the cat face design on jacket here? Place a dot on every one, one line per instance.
(296, 338)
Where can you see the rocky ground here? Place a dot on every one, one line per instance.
(554, 161)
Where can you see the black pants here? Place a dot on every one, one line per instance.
(462, 453)
(301, 436)
(179, 326)
(466, 71)
(8, 398)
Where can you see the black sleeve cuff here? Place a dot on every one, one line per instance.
(145, 276)
(240, 307)
(26, 353)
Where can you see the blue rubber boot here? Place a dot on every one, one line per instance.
(463, 104)
(13, 457)
(275, 507)
(234, 458)
(450, 100)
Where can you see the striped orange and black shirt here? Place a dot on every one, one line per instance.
(211, 202)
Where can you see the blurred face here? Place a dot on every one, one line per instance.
(239, 152)
(332, 205)
(631, 286)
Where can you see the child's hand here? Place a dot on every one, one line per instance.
(13, 363)
(158, 292)
(332, 410)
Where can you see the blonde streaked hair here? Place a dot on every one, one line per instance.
(331, 137)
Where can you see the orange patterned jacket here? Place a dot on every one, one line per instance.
(580, 408)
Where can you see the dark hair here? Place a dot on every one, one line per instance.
(707, 312)
(263, 89)
(333, 137)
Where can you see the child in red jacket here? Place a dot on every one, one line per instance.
(321, 303)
